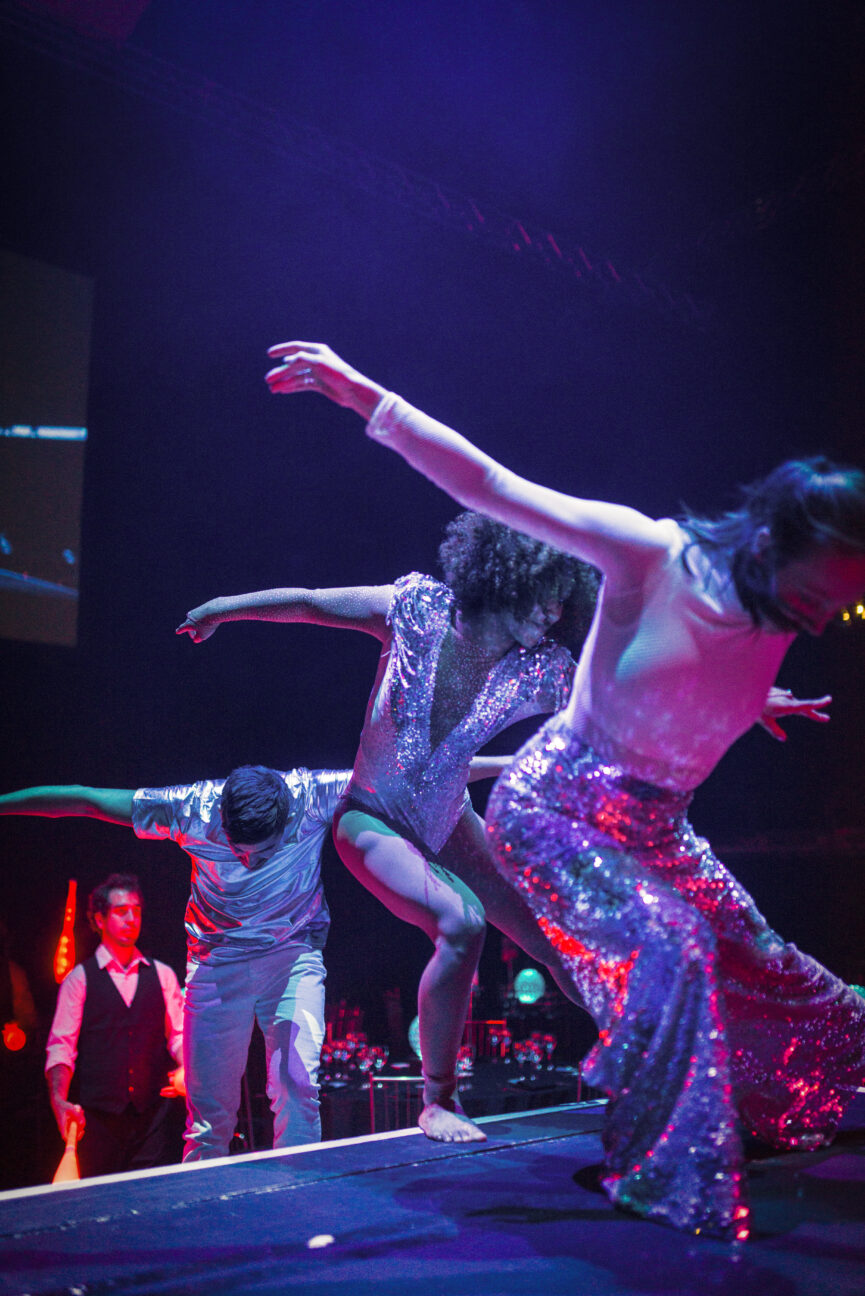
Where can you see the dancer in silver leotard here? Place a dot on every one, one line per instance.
(458, 664)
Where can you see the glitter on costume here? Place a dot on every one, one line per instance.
(399, 772)
(709, 1023)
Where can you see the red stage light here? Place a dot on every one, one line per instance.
(64, 955)
(13, 1037)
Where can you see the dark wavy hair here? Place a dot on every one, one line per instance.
(99, 900)
(804, 504)
(255, 804)
(491, 567)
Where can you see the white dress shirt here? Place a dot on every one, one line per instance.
(63, 1038)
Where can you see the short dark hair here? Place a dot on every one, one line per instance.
(803, 504)
(490, 567)
(99, 900)
(255, 804)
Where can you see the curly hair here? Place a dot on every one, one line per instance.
(578, 609)
(803, 504)
(99, 900)
(490, 567)
(255, 804)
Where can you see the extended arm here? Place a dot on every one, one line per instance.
(618, 540)
(114, 805)
(487, 767)
(362, 607)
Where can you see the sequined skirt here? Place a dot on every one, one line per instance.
(710, 1025)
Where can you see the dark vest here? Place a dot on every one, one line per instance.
(122, 1056)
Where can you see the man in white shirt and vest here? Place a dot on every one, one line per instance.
(115, 1042)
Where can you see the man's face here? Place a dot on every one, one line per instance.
(121, 925)
(252, 856)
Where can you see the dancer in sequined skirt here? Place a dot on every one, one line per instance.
(710, 1025)
(459, 663)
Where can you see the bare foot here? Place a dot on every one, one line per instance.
(445, 1126)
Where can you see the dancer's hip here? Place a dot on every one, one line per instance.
(558, 773)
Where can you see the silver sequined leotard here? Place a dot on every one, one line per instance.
(397, 774)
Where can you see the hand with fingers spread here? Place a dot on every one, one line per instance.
(781, 703)
(314, 367)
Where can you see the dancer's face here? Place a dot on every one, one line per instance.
(530, 629)
(814, 588)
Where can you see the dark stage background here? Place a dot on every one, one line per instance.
(714, 150)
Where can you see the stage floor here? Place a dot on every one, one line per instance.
(518, 1214)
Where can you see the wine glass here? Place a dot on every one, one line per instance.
(465, 1060)
(326, 1062)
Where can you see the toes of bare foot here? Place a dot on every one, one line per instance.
(445, 1126)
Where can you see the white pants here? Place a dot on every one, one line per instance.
(283, 990)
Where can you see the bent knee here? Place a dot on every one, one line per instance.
(464, 932)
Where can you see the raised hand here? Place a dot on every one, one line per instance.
(314, 367)
(781, 703)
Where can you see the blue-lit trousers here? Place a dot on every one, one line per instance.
(283, 990)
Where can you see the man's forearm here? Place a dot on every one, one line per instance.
(58, 1078)
(51, 800)
(57, 801)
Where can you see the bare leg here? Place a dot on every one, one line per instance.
(466, 852)
(425, 894)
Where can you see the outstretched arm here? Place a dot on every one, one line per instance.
(361, 607)
(487, 767)
(114, 805)
(618, 540)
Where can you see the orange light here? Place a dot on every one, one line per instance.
(64, 955)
